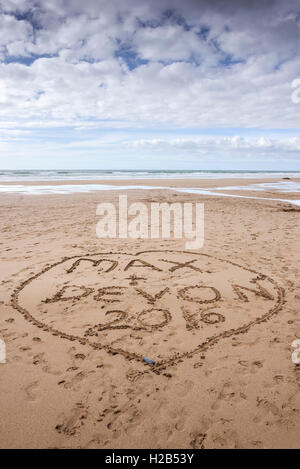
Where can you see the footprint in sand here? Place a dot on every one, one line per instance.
(98, 441)
(225, 395)
(76, 380)
(81, 356)
(119, 420)
(251, 367)
(71, 425)
(228, 440)
(39, 359)
(198, 441)
(183, 389)
(31, 391)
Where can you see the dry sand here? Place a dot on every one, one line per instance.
(77, 324)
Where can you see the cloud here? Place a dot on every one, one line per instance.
(170, 43)
(140, 64)
(236, 144)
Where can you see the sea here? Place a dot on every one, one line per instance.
(94, 174)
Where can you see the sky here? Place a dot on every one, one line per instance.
(150, 84)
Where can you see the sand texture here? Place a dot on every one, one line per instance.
(79, 315)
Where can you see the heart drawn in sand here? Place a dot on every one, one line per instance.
(165, 305)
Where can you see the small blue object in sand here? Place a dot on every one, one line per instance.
(149, 361)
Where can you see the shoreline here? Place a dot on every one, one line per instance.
(284, 190)
(180, 182)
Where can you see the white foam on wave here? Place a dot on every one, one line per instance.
(67, 175)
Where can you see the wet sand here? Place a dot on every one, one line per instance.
(79, 314)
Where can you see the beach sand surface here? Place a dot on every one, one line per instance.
(79, 314)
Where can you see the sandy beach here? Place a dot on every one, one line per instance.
(79, 314)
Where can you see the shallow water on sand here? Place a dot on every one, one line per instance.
(281, 186)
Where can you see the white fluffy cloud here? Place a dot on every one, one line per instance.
(198, 65)
(194, 64)
(236, 144)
